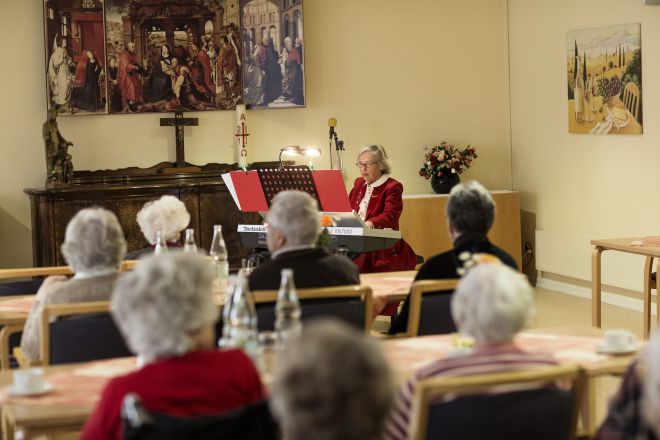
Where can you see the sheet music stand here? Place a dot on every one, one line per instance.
(274, 180)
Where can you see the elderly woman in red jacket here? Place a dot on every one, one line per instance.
(376, 197)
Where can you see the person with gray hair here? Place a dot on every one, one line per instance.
(93, 247)
(293, 225)
(167, 215)
(166, 312)
(377, 198)
(333, 383)
(470, 214)
(492, 303)
(634, 411)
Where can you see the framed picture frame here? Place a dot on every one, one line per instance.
(273, 53)
(75, 56)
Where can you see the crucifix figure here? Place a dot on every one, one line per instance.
(179, 122)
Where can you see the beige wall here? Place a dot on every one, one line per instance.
(580, 186)
(404, 74)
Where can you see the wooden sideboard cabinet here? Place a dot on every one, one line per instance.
(124, 192)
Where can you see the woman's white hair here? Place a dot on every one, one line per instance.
(492, 303)
(94, 240)
(381, 157)
(167, 214)
(649, 369)
(471, 208)
(332, 383)
(296, 215)
(162, 302)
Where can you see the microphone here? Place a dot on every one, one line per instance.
(332, 123)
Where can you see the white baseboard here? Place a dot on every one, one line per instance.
(583, 292)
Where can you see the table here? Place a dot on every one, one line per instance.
(77, 389)
(621, 245)
(68, 406)
(407, 355)
(388, 287)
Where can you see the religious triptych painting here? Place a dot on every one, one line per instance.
(272, 38)
(604, 67)
(138, 56)
(75, 56)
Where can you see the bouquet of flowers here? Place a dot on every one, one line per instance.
(445, 158)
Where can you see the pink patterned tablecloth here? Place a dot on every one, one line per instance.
(386, 285)
(407, 355)
(17, 305)
(79, 387)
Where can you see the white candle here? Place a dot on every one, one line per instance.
(242, 134)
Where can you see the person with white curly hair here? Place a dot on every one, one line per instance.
(167, 215)
(492, 303)
(293, 225)
(634, 411)
(93, 247)
(332, 384)
(166, 312)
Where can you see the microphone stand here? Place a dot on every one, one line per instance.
(339, 146)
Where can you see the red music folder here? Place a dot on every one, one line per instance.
(246, 190)
(331, 190)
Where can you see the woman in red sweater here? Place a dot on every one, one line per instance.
(165, 310)
(376, 197)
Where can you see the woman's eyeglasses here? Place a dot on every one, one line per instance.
(365, 164)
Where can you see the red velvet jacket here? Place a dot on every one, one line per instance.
(383, 211)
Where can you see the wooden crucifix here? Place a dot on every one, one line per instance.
(179, 122)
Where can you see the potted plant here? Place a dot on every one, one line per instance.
(444, 163)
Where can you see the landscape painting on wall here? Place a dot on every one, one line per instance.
(273, 59)
(604, 67)
(75, 56)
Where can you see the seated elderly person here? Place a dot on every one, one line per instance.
(491, 304)
(333, 384)
(635, 409)
(167, 215)
(93, 247)
(293, 227)
(165, 310)
(470, 215)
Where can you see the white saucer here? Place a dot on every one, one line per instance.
(602, 348)
(46, 388)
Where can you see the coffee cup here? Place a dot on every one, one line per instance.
(619, 339)
(29, 380)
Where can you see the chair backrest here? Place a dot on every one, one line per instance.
(352, 304)
(79, 332)
(631, 98)
(429, 310)
(251, 422)
(529, 404)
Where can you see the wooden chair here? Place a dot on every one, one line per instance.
(429, 309)
(650, 283)
(88, 332)
(352, 304)
(631, 99)
(505, 405)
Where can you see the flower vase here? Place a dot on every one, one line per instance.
(443, 184)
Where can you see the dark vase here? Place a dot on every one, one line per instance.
(443, 184)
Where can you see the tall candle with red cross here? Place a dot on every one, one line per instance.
(241, 134)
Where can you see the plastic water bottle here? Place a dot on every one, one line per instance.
(287, 309)
(242, 332)
(218, 253)
(161, 244)
(189, 245)
(223, 342)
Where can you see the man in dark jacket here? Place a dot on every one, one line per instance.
(293, 225)
(470, 215)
